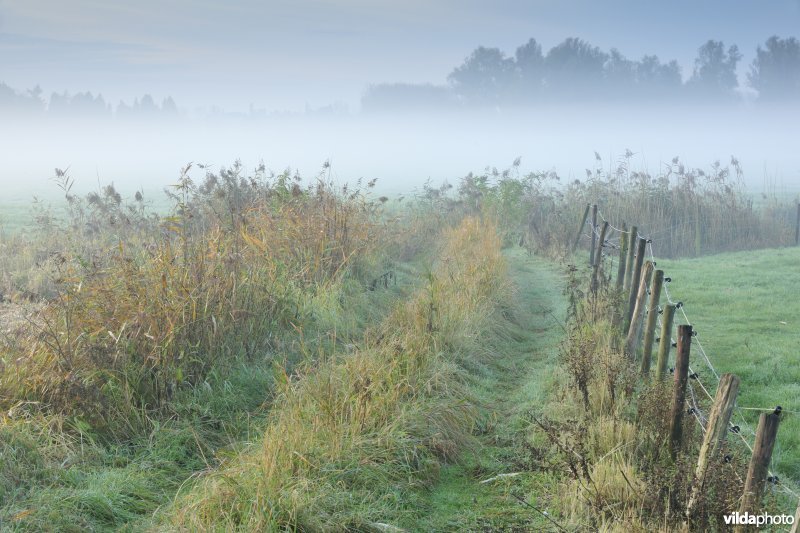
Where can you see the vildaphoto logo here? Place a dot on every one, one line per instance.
(758, 520)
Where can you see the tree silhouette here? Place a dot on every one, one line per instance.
(484, 77)
(574, 67)
(620, 76)
(714, 73)
(78, 105)
(13, 102)
(655, 77)
(775, 72)
(405, 97)
(530, 71)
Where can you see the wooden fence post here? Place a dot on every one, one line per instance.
(635, 329)
(666, 341)
(635, 277)
(623, 252)
(679, 389)
(796, 519)
(594, 235)
(598, 259)
(580, 228)
(652, 316)
(716, 431)
(759, 463)
(632, 236)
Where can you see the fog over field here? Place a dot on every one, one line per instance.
(400, 92)
(404, 150)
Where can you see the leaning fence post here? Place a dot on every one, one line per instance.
(652, 316)
(635, 277)
(623, 251)
(594, 235)
(598, 259)
(716, 431)
(635, 329)
(679, 389)
(580, 228)
(665, 342)
(632, 236)
(759, 463)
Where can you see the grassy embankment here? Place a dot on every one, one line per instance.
(355, 441)
(156, 341)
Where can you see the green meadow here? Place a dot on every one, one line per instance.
(745, 308)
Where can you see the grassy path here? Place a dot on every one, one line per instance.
(513, 384)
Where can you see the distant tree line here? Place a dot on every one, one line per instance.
(87, 105)
(574, 70)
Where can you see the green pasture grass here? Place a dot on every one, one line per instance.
(18, 207)
(746, 309)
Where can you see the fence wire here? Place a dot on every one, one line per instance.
(691, 402)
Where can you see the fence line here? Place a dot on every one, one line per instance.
(694, 407)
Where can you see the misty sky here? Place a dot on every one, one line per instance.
(288, 54)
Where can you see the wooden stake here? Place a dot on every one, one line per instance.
(580, 228)
(796, 519)
(652, 316)
(598, 259)
(632, 236)
(594, 235)
(759, 463)
(679, 389)
(666, 341)
(623, 252)
(635, 277)
(716, 431)
(637, 318)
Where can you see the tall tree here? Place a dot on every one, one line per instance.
(529, 62)
(574, 67)
(775, 72)
(714, 73)
(655, 79)
(13, 102)
(620, 75)
(484, 77)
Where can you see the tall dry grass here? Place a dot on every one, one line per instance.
(344, 434)
(686, 211)
(608, 432)
(136, 305)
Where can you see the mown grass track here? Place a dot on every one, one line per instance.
(513, 381)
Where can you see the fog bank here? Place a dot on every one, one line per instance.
(402, 150)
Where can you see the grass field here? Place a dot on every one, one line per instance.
(746, 310)
(272, 357)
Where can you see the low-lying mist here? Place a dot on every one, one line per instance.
(401, 150)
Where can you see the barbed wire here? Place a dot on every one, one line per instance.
(694, 407)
